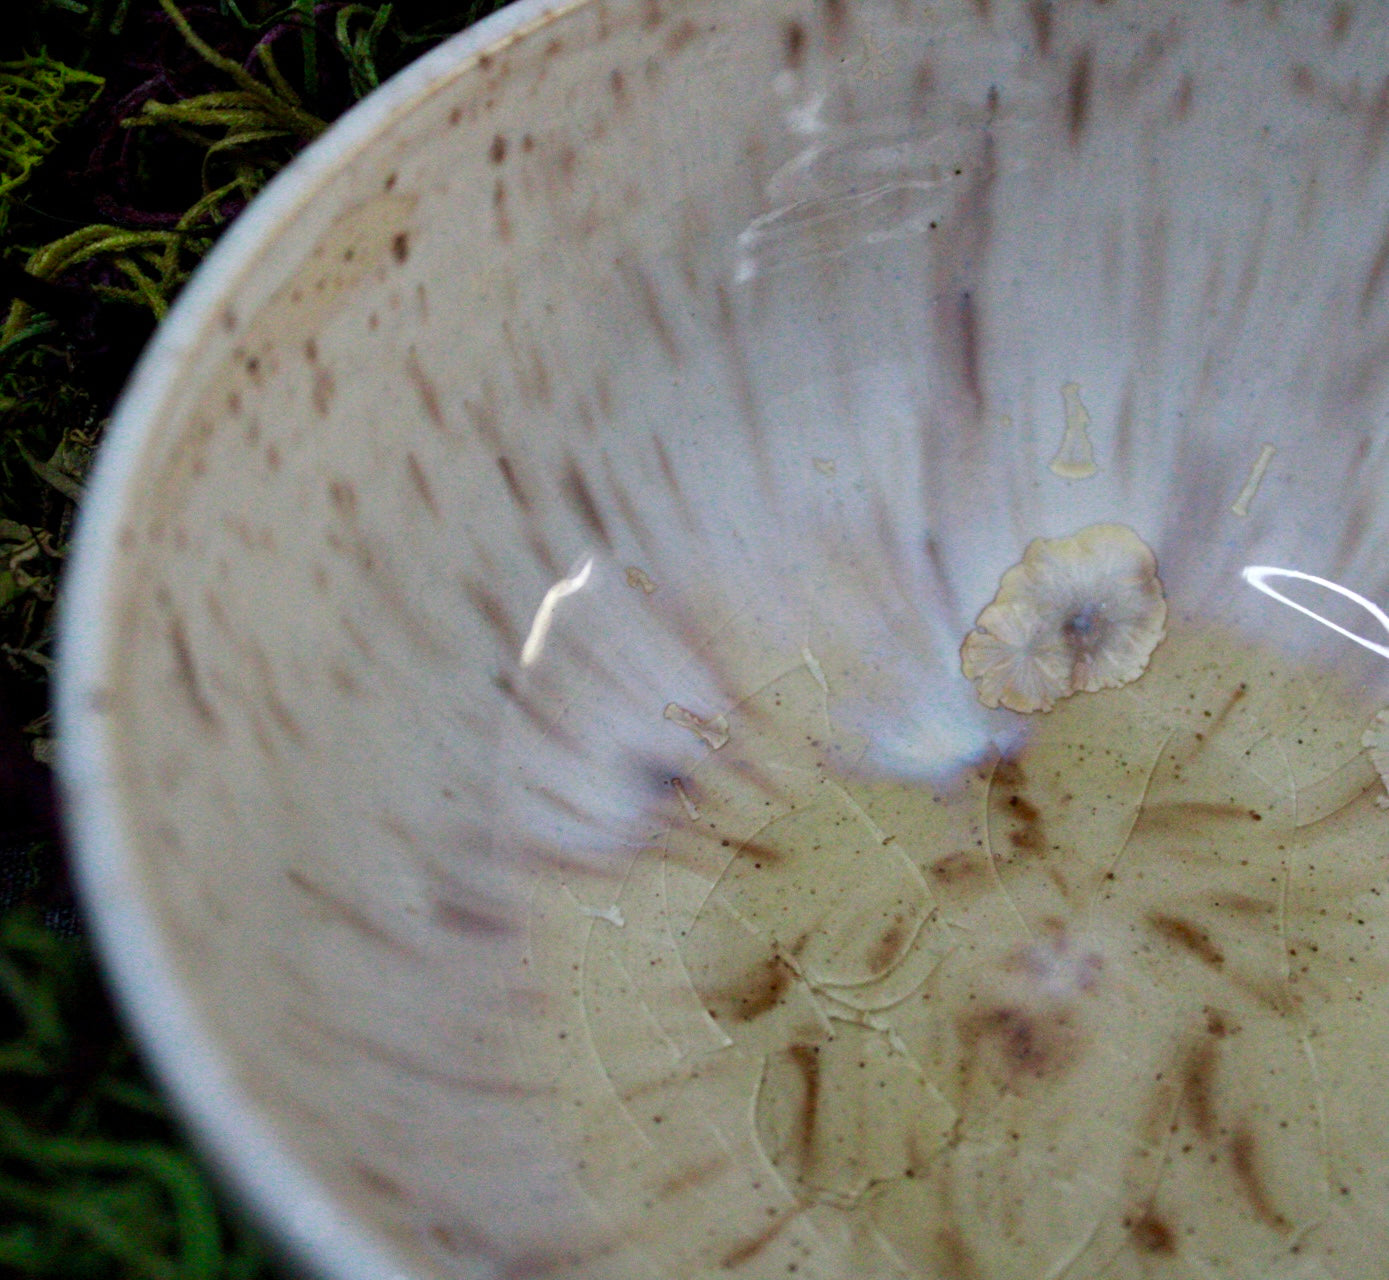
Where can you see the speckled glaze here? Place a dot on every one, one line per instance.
(785, 326)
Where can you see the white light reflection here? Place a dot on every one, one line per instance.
(1257, 575)
(544, 616)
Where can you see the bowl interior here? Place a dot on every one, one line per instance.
(517, 741)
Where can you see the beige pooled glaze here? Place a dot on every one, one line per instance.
(514, 737)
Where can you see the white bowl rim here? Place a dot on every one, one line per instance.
(278, 1190)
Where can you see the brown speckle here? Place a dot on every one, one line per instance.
(1338, 23)
(1078, 97)
(496, 153)
(400, 246)
(455, 117)
(617, 82)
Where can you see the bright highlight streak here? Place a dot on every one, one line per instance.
(544, 616)
(1257, 575)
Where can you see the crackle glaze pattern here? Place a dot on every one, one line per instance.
(776, 331)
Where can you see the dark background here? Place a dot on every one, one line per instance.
(132, 132)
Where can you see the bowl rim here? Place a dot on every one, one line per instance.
(276, 1190)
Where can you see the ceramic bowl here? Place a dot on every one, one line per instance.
(746, 639)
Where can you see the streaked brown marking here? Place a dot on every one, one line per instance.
(503, 219)
(957, 869)
(760, 991)
(1152, 1234)
(806, 1059)
(343, 495)
(520, 496)
(968, 331)
(425, 390)
(684, 32)
(469, 919)
(836, 18)
(885, 949)
(496, 153)
(274, 703)
(490, 607)
(749, 1249)
(1198, 1085)
(545, 724)
(672, 481)
(1039, 11)
(956, 1254)
(400, 1060)
(1375, 276)
(1078, 97)
(1189, 937)
(760, 852)
(1244, 1159)
(1183, 97)
(186, 675)
(421, 483)
(793, 44)
(582, 501)
(1028, 1044)
(376, 1182)
(348, 913)
(400, 247)
(695, 1176)
(649, 302)
(1338, 21)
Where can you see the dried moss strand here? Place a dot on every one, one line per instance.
(300, 121)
